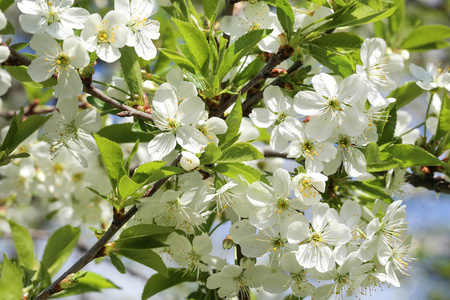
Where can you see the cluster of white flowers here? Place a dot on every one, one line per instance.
(5, 78)
(55, 20)
(58, 186)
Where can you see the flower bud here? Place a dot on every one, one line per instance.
(149, 86)
(278, 72)
(70, 281)
(189, 161)
(228, 242)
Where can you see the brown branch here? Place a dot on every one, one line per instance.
(249, 102)
(437, 184)
(282, 54)
(127, 111)
(116, 224)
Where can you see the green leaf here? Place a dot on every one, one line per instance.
(27, 128)
(19, 46)
(372, 190)
(239, 49)
(146, 257)
(379, 29)
(336, 62)
(357, 14)
(20, 73)
(10, 281)
(396, 20)
(91, 282)
(178, 59)
(143, 172)
(233, 122)
(158, 283)
(240, 152)
(127, 187)
(211, 154)
(165, 172)
(384, 165)
(102, 106)
(286, 17)
(59, 247)
(210, 7)
(234, 169)
(117, 263)
(424, 35)
(371, 153)
(19, 155)
(112, 157)
(344, 40)
(13, 128)
(411, 156)
(444, 117)
(406, 93)
(131, 69)
(4, 4)
(250, 70)
(144, 236)
(196, 41)
(388, 128)
(23, 243)
(133, 152)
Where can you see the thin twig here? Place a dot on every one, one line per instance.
(248, 104)
(276, 59)
(91, 90)
(116, 224)
(437, 184)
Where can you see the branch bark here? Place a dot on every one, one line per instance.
(437, 184)
(116, 224)
(91, 90)
(276, 59)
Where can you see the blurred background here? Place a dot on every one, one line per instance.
(428, 212)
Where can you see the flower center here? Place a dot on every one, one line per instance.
(62, 60)
(58, 168)
(52, 16)
(334, 104)
(344, 141)
(103, 36)
(315, 239)
(282, 204)
(308, 148)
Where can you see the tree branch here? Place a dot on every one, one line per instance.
(127, 111)
(282, 54)
(249, 102)
(116, 224)
(437, 184)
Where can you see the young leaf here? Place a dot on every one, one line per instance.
(131, 69)
(143, 172)
(444, 117)
(396, 20)
(406, 93)
(146, 257)
(123, 133)
(20, 73)
(389, 128)
(23, 243)
(373, 190)
(233, 122)
(10, 281)
(4, 4)
(117, 263)
(178, 59)
(232, 170)
(411, 156)
(144, 236)
(240, 152)
(384, 165)
(158, 283)
(196, 41)
(334, 61)
(91, 282)
(59, 247)
(424, 35)
(127, 187)
(130, 157)
(211, 154)
(210, 6)
(345, 40)
(286, 17)
(112, 157)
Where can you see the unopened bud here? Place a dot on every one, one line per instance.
(282, 39)
(109, 247)
(228, 243)
(149, 86)
(70, 281)
(278, 72)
